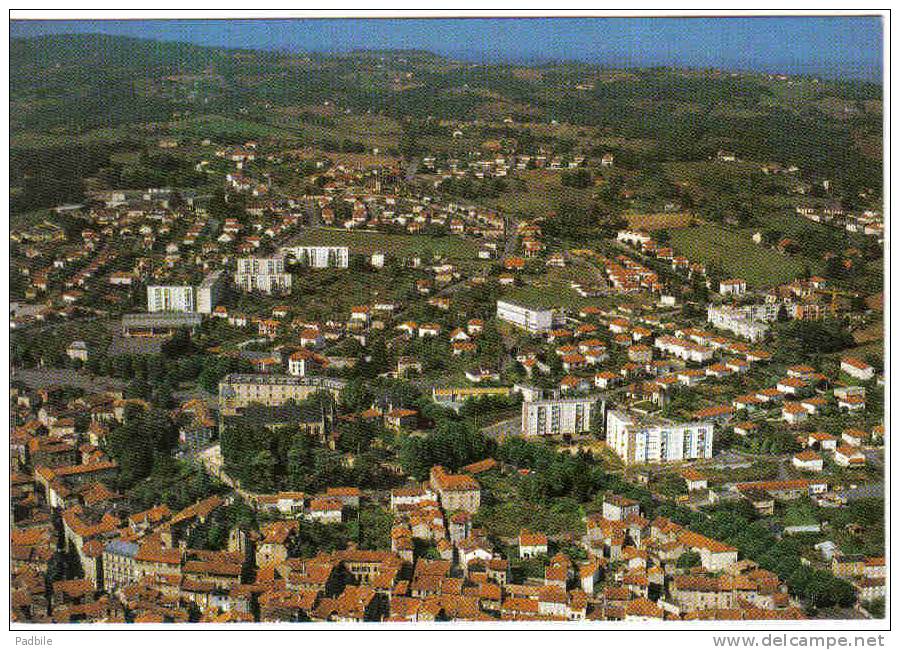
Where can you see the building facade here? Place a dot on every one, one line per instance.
(265, 274)
(319, 257)
(749, 322)
(209, 291)
(237, 391)
(554, 417)
(535, 321)
(656, 440)
(170, 298)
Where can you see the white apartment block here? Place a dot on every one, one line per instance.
(319, 257)
(657, 440)
(684, 349)
(633, 237)
(170, 298)
(264, 274)
(555, 417)
(209, 291)
(732, 287)
(535, 321)
(749, 322)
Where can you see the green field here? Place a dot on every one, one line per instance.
(537, 192)
(738, 255)
(368, 242)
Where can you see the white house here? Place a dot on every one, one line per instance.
(794, 413)
(847, 456)
(857, 369)
(808, 461)
(532, 544)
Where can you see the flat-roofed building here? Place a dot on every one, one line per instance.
(455, 397)
(158, 324)
(553, 417)
(656, 440)
(535, 321)
(319, 257)
(170, 298)
(749, 322)
(209, 290)
(265, 274)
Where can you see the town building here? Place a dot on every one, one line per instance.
(318, 257)
(170, 298)
(655, 440)
(209, 291)
(534, 321)
(236, 391)
(265, 274)
(456, 491)
(749, 322)
(552, 417)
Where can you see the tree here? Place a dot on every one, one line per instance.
(262, 467)
(782, 316)
(805, 338)
(688, 560)
(579, 179)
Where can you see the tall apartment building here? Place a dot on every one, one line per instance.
(319, 257)
(535, 321)
(209, 291)
(170, 298)
(264, 274)
(655, 440)
(237, 391)
(553, 417)
(118, 564)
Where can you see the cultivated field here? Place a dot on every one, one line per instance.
(543, 192)
(660, 220)
(738, 255)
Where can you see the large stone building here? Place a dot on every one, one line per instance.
(456, 491)
(237, 391)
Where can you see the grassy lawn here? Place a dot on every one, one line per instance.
(542, 193)
(367, 242)
(548, 294)
(737, 254)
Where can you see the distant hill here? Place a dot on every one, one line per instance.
(64, 87)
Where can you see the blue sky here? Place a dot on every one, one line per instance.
(828, 46)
